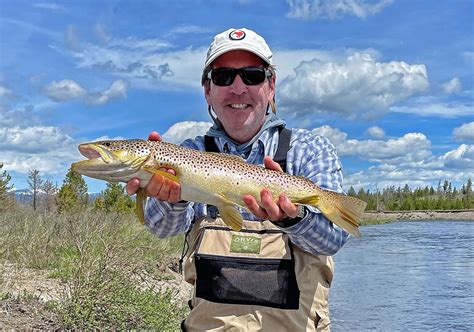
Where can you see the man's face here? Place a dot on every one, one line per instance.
(240, 108)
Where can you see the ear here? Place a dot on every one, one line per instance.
(207, 92)
(271, 85)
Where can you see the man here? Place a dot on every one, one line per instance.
(275, 274)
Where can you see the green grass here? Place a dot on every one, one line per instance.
(103, 260)
(377, 221)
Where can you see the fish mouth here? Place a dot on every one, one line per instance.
(100, 160)
(103, 163)
(95, 151)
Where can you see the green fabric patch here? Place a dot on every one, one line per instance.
(245, 244)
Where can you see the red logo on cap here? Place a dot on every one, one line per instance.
(237, 35)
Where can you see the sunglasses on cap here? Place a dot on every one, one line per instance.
(250, 75)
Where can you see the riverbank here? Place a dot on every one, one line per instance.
(381, 217)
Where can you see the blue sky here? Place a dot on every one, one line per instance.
(389, 82)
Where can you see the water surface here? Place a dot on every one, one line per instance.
(406, 276)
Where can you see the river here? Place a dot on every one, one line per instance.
(406, 276)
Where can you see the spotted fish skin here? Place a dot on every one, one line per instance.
(212, 178)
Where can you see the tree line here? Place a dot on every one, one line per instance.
(71, 196)
(444, 197)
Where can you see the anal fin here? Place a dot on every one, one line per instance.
(139, 203)
(230, 214)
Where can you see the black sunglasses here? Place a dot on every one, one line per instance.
(250, 75)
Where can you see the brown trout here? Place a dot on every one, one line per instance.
(212, 178)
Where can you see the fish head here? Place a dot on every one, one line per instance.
(113, 160)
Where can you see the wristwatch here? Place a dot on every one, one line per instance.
(287, 222)
(301, 211)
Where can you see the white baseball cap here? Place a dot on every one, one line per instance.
(238, 39)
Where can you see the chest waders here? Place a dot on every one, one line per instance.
(254, 279)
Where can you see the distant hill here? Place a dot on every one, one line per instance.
(25, 196)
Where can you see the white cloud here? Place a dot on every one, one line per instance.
(314, 9)
(101, 33)
(460, 158)
(46, 149)
(34, 139)
(336, 136)
(68, 90)
(181, 131)
(396, 161)
(376, 132)
(411, 147)
(465, 132)
(17, 117)
(383, 177)
(358, 87)
(188, 29)
(50, 6)
(6, 93)
(149, 45)
(64, 90)
(452, 86)
(443, 110)
(117, 90)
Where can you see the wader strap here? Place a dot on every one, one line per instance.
(283, 147)
(210, 144)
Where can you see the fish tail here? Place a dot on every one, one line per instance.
(344, 211)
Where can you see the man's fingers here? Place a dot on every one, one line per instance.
(271, 164)
(290, 209)
(132, 186)
(154, 186)
(272, 208)
(175, 192)
(154, 136)
(164, 192)
(253, 207)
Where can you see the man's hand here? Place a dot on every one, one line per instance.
(160, 187)
(268, 209)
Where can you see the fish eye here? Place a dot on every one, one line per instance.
(107, 143)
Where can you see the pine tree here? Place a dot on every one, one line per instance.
(6, 200)
(73, 193)
(352, 192)
(469, 187)
(50, 192)
(35, 182)
(113, 199)
(445, 187)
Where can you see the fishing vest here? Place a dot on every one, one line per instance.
(254, 279)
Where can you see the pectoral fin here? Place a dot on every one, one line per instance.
(140, 201)
(167, 175)
(230, 215)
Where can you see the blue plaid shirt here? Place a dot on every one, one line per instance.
(309, 155)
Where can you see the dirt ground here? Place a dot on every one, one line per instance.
(29, 290)
(21, 314)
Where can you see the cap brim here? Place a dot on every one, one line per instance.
(239, 48)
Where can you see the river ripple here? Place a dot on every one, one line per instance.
(406, 276)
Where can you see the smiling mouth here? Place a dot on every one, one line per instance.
(239, 106)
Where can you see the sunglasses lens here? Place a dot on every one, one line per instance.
(223, 76)
(249, 75)
(252, 75)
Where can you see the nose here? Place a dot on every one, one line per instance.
(238, 87)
